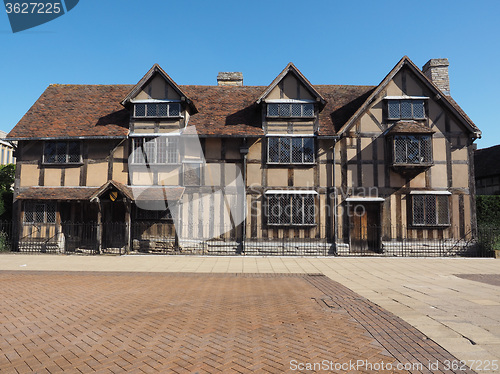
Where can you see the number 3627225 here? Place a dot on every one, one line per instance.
(26, 8)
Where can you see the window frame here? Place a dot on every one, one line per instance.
(410, 99)
(302, 104)
(154, 140)
(290, 150)
(157, 109)
(30, 206)
(421, 150)
(291, 199)
(426, 209)
(58, 143)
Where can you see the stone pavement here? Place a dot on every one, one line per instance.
(461, 315)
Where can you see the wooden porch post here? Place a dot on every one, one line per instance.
(99, 225)
(128, 221)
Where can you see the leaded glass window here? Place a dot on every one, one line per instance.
(406, 109)
(290, 209)
(412, 149)
(290, 150)
(62, 152)
(157, 110)
(290, 110)
(430, 210)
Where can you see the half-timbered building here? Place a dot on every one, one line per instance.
(254, 169)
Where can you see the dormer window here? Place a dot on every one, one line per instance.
(157, 110)
(288, 109)
(405, 108)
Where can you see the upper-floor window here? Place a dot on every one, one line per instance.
(157, 150)
(290, 110)
(156, 109)
(412, 150)
(62, 152)
(405, 109)
(430, 210)
(288, 209)
(290, 150)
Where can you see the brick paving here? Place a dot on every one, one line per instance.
(193, 323)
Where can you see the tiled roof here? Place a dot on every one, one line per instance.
(409, 127)
(56, 193)
(95, 110)
(486, 162)
(76, 110)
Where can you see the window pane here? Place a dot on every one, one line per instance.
(413, 150)
(172, 150)
(442, 209)
(140, 110)
(273, 149)
(273, 110)
(273, 210)
(297, 210)
(418, 109)
(61, 151)
(430, 209)
(149, 151)
(285, 110)
(151, 110)
(296, 110)
(39, 216)
(308, 149)
(297, 150)
(309, 209)
(426, 148)
(51, 212)
(174, 109)
(284, 150)
(393, 106)
(406, 109)
(50, 152)
(308, 110)
(28, 213)
(163, 110)
(138, 151)
(285, 210)
(74, 152)
(418, 210)
(161, 150)
(400, 149)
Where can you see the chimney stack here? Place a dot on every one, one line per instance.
(436, 70)
(230, 79)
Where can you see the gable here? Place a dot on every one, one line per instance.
(290, 87)
(157, 88)
(291, 84)
(405, 79)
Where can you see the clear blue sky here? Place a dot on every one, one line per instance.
(331, 42)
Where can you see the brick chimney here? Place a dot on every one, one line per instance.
(436, 70)
(230, 79)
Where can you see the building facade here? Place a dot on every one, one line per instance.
(487, 170)
(156, 165)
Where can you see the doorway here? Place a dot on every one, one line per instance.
(365, 227)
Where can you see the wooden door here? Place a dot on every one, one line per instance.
(365, 228)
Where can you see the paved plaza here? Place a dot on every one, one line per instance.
(242, 314)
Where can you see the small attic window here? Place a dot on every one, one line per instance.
(287, 110)
(155, 110)
(405, 109)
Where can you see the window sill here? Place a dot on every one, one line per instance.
(290, 226)
(429, 227)
(62, 163)
(290, 117)
(291, 163)
(158, 117)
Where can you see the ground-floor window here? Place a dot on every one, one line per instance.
(290, 209)
(430, 210)
(40, 212)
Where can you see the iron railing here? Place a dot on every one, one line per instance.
(205, 239)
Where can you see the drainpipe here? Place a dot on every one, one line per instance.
(244, 152)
